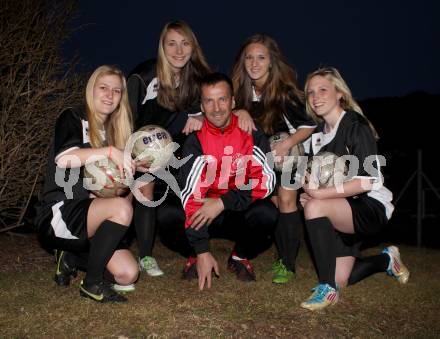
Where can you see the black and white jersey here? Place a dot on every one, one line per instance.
(143, 87)
(71, 132)
(294, 117)
(352, 136)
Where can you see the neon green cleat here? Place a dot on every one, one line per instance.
(276, 266)
(281, 274)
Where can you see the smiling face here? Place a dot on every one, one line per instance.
(323, 97)
(217, 103)
(177, 49)
(107, 94)
(257, 63)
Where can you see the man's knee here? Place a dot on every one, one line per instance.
(262, 212)
(170, 215)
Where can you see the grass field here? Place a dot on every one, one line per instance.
(31, 305)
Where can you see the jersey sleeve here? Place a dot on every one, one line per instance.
(362, 144)
(68, 133)
(191, 178)
(195, 109)
(259, 173)
(297, 116)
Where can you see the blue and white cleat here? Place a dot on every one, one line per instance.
(324, 295)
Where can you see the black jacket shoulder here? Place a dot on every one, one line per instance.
(146, 70)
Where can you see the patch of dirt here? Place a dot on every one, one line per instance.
(23, 252)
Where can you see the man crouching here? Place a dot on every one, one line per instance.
(225, 185)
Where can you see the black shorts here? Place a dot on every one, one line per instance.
(369, 218)
(64, 225)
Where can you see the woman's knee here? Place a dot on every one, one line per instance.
(121, 211)
(313, 209)
(287, 201)
(126, 274)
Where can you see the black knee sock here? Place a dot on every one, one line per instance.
(322, 239)
(289, 235)
(364, 267)
(109, 277)
(102, 247)
(278, 236)
(145, 224)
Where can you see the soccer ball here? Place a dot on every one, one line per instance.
(290, 163)
(152, 143)
(103, 179)
(327, 169)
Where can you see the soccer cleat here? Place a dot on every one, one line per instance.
(323, 295)
(241, 267)
(190, 270)
(276, 266)
(396, 268)
(63, 272)
(149, 265)
(282, 275)
(101, 292)
(123, 288)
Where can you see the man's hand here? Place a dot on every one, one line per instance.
(194, 123)
(210, 209)
(205, 264)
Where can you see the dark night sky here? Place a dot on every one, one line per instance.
(382, 48)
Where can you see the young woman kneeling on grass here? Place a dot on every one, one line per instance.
(70, 218)
(338, 218)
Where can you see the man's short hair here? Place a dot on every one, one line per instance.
(214, 78)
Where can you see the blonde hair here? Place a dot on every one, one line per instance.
(281, 85)
(346, 102)
(118, 127)
(182, 95)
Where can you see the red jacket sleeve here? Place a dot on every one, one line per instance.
(260, 177)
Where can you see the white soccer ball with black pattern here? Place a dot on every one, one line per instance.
(103, 178)
(286, 163)
(326, 169)
(153, 144)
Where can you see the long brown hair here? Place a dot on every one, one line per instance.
(171, 96)
(118, 126)
(281, 85)
(346, 102)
